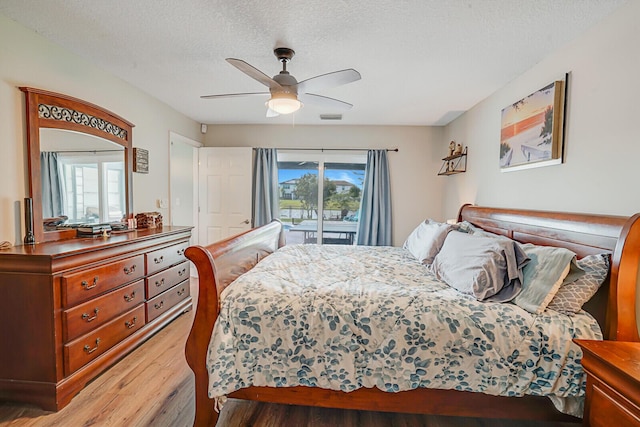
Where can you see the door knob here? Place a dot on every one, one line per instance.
(246, 221)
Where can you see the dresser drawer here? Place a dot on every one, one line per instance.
(92, 314)
(607, 405)
(166, 300)
(86, 348)
(79, 287)
(166, 279)
(166, 257)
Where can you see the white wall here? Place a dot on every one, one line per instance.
(602, 144)
(27, 59)
(416, 190)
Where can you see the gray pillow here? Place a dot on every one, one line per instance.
(572, 296)
(544, 274)
(426, 239)
(489, 269)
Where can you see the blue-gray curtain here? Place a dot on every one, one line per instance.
(52, 186)
(265, 186)
(374, 225)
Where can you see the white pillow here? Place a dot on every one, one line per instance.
(426, 240)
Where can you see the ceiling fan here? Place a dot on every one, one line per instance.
(287, 95)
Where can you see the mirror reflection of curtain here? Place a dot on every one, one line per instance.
(374, 225)
(52, 186)
(265, 186)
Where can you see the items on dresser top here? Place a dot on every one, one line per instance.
(149, 220)
(94, 229)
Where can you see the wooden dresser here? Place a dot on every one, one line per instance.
(613, 383)
(70, 309)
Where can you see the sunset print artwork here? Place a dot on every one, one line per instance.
(532, 129)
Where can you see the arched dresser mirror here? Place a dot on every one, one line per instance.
(80, 163)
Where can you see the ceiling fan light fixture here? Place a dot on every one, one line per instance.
(284, 103)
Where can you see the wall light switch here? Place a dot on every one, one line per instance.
(163, 203)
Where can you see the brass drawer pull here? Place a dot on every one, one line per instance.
(130, 270)
(158, 260)
(159, 306)
(88, 318)
(131, 324)
(182, 272)
(181, 251)
(88, 286)
(90, 350)
(181, 292)
(160, 283)
(129, 298)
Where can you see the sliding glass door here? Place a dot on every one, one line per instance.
(298, 186)
(341, 202)
(320, 196)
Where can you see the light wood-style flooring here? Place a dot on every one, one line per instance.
(153, 386)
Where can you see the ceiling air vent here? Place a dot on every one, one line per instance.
(330, 116)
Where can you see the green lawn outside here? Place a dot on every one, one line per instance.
(290, 204)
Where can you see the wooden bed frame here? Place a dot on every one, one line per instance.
(614, 306)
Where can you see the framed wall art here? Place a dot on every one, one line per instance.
(140, 160)
(532, 129)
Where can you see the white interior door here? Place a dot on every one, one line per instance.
(225, 192)
(183, 182)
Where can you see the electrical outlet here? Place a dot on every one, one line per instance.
(163, 203)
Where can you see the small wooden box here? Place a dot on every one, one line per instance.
(149, 220)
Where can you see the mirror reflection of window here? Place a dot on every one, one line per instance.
(93, 190)
(83, 177)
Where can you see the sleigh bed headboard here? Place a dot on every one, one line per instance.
(614, 306)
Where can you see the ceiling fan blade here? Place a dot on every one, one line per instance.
(233, 95)
(254, 73)
(325, 81)
(324, 102)
(271, 113)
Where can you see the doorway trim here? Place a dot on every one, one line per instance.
(176, 137)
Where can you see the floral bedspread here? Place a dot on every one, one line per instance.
(345, 317)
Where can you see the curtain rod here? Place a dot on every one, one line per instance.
(336, 149)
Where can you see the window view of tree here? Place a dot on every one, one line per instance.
(345, 201)
(307, 192)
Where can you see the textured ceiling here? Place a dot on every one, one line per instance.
(423, 62)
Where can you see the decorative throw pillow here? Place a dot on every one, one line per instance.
(572, 296)
(489, 269)
(544, 274)
(426, 239)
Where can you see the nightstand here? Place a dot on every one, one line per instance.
(613, 383)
